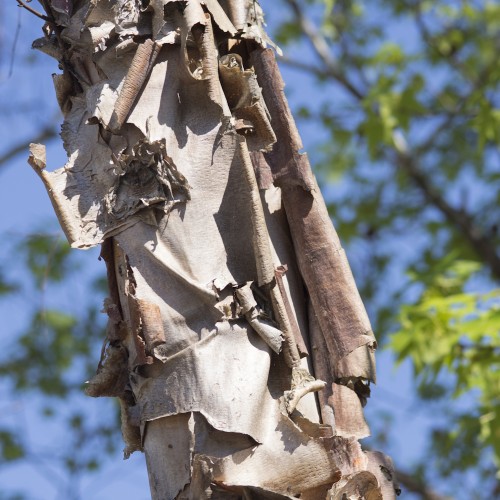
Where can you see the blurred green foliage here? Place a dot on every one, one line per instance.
(454, 332)
(46, 364)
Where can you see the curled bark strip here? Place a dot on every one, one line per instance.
(322, 364)
(220, 16)
(270, 335)
(244, 97)
(111, 378)
(265, 265)
(142, 357)
(262, 170)
(237, 12)
(322, 261)
(301, 346)
(152, 324)
(209, 65)
(302, 381)
(289, 166)
(349, 418)
(139, 70)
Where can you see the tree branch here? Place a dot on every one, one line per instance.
(323, 51)
(309, 68)
(45, 135)
(415, 486)
(33, 11)
(463, 221)
(481, 243)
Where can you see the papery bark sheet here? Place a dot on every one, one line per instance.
(231, 300)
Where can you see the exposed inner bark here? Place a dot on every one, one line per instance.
(184, 162)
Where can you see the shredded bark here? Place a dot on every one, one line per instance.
(184, 162)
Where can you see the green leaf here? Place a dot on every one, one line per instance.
(10, 448)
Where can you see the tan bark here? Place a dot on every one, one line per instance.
(191, 178)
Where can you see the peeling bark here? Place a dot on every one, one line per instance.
(185, 164)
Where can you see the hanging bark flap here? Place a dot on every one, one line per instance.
(168, 446)
(152, 324)
(244, 97)
(270, 334)
(297, 335)
(326, 273)
(112, 374)
(263, 171)
(165, 392)
(360, 363)
(131, 433)
(288, 165)
(349, 418)
(322, 261)
(305, 464)
(79, 190)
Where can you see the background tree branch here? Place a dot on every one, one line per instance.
(46, 134)
(408, 160)
(415, 486)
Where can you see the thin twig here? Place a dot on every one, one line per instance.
(34, 11)
(14, 45)
(415, 486)
(478, 240)
(322, 50)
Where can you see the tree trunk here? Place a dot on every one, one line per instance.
(231, 298)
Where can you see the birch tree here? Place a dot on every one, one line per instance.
(237, 342)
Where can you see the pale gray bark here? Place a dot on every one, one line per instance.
(184, 163)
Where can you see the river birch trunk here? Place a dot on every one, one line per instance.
(237, 342)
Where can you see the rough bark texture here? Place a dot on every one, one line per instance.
(224, 269)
